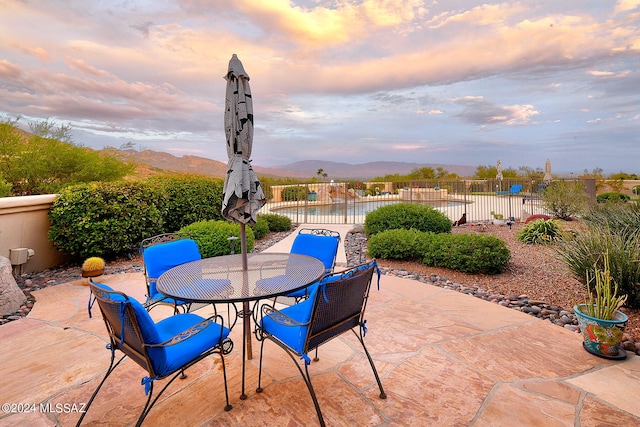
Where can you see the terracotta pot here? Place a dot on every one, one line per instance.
(92, 273)
(602, 337)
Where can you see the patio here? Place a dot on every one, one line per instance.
(445, 358)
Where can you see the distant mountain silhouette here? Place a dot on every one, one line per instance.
(304, 169)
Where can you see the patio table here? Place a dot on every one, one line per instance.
(222, 280)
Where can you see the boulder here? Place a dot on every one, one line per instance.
(11, 296)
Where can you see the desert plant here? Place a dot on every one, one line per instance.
(565, 199)
(540, 232)
(43, 163)
(603, 300)
(621, 219)
(260, 228)
(93, 264)
(105, 219)
(212, 236)
(277, 222)
(406, 216)
(582, 254)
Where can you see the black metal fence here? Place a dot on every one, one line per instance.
(349, 202)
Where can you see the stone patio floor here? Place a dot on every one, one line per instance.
(445, 358)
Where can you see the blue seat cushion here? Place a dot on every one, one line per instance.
(321, 247)
(146, 323)
(293, 336)
(168, 359)
(164, 256)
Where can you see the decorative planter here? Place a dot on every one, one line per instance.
(602, 337)
(92, 273)
(499, 222)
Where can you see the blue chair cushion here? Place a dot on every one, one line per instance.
(321, 247)
(164, 256)
(293, 336)
(146, 323)
(515, 188)
(168, 359)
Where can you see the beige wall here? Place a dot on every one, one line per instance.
(24, 223)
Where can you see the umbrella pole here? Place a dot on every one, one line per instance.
(247, 310)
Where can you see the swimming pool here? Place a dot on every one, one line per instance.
(345, 212)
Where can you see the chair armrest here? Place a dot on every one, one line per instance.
(192, 331)
(279, 317)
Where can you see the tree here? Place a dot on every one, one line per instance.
(531, 173)
(321, 173)
(33, 164)
(565, 199)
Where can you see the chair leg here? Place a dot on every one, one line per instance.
(305, 376)
(224, 376)
(383, 395)
(111, 368)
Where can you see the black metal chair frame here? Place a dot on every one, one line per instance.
(339, 306)
(136, 349)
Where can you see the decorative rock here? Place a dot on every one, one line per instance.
(11, 296)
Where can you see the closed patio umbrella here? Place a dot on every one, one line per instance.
(242, 194)
(547, 172)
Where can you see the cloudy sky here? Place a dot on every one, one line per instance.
(448, 81)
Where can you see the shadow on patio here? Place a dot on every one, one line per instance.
(445, 358)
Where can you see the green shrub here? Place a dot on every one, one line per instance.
(277, 222)
(612, 197)
(623, 219)
(105, 219)
(584, 253)
(212, 237)
(260, 228)
(190, 198)
(294, 193)
(406, 216)
(469, 253)
(540, 232)
(565, 199)
(395, 244)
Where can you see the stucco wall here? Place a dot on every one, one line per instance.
(24, 224)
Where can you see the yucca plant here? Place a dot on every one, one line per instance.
(540, 232)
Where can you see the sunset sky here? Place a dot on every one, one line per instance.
(449, 81)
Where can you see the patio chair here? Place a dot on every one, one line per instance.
(161, 253)
(336, 306)
(319, 243)
(164, 349)
(515, 189)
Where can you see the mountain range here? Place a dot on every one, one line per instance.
(303, 169)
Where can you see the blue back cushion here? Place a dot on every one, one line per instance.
(323, 248)
(145, 322)
(164, 256)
